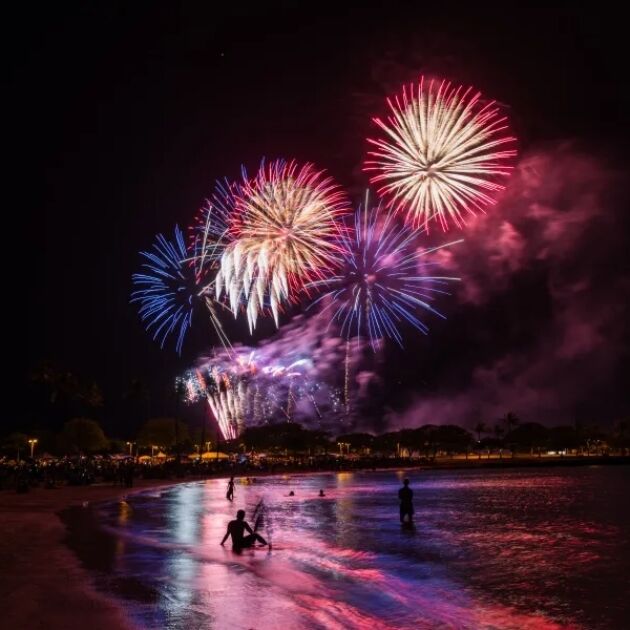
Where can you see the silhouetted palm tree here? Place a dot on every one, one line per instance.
(58, 382)
(16, 442)
(138, 394)
(180, 391)
(480, 428)
(91, 395)
(511, 421)
(621, 435)
(498, 432)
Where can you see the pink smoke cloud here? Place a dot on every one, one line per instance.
(559, 226)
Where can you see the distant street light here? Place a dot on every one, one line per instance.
(341, 446)
(130, 445)
(32, 442)
(208, 446)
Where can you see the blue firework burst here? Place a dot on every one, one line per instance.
(384, 279)
(168, 288)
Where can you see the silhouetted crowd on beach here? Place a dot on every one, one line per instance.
(82, 471)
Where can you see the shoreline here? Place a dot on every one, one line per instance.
(532, 461)
(46, 585)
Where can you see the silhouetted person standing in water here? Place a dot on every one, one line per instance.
(129, 475)
(405, 494)
(230, 491)
(237, 528)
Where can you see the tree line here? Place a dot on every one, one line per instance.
(62, 394)
(84, 436)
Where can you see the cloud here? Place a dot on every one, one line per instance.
(552, 254)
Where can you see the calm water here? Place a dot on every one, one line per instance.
(492, 549)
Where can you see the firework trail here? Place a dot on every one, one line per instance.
(384, 281)
(222, 394)
(444, 153)
(346, 378)
(284, 233)
(209, 235)
(208, 239)
(231, 382)
(318, 396)
(292, 376)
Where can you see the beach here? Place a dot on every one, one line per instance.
(47, 582)
(42, 584)
(509, 549)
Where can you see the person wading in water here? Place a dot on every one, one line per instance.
(405, 494)
(230, 491)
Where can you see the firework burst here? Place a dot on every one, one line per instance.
(444, 153)
(209, 235)
(174, 280)
(284, 230)
(385, 279)
(242, 389)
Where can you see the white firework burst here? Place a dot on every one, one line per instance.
(444, 154)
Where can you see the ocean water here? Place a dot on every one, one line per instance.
(518, 548)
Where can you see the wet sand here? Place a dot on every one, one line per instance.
(42, 583)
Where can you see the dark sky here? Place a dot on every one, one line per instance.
(123, 115)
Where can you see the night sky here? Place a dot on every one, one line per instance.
(123, 115)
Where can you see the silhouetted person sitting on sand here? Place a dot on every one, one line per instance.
(291, 494)
(405, 494)
(321, 493)
(237, 528)
(230, 491)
